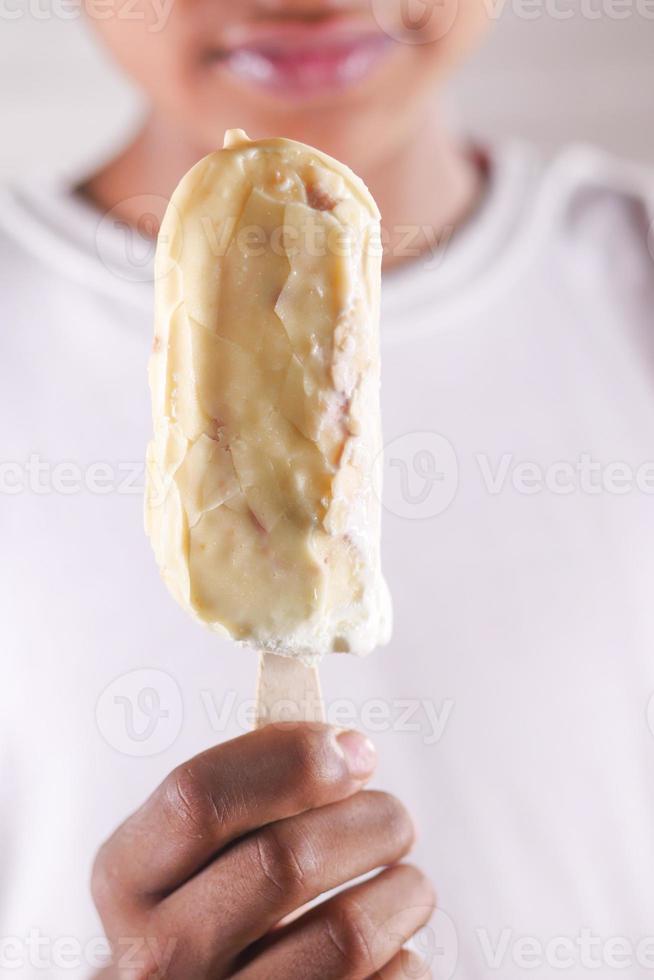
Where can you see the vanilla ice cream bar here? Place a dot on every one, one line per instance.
(265, 393)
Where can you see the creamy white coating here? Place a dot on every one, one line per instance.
(265, 391)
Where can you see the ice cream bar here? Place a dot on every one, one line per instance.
(265, 393)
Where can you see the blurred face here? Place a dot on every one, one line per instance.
(350, 76)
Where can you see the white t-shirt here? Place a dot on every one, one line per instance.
(511, 710)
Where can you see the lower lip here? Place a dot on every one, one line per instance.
(308, 72)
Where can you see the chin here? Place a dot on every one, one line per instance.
(356, 133)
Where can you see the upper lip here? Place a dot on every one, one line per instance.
(297, 34)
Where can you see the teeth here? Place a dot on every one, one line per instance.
(251, 66)
(355, 66)
(305, 68)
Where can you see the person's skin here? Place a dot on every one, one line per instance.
(247, 833)
(386, 123)
(251, 830)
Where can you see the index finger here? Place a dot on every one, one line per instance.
(223, 793)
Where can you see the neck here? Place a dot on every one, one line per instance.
(425, 188)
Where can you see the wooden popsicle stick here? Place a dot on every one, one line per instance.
(287, 690)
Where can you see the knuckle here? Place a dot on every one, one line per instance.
(144, 965)
(189, 802)
(317, 765)
(407, 963)
(415, 966)
(109, 891)
(396, 819)
(286, 860)
(135, 959)
(348, 931)
(421, 885)
(102, 885)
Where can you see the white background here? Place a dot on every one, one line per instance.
(589, 76)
